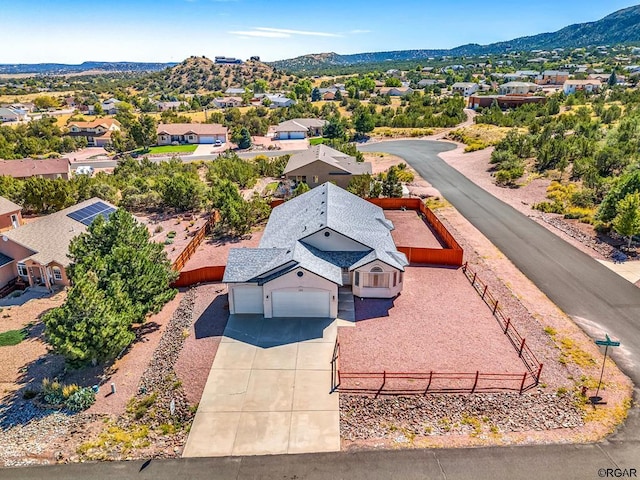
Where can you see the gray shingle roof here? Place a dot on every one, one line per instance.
(283, 245)
(330, 156)
(300, 124)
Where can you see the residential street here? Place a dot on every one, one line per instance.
(598, 299)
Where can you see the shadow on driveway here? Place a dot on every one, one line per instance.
(273, 332)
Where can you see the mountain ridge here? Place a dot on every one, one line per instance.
(622, 26)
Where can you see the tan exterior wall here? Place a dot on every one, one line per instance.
(371, 292)
(7, 273)
(323, 172)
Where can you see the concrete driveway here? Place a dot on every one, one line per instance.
(268, 391)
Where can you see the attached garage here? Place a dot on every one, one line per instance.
(291, 135)
(306, 303)
(247, 299)
(207, 139)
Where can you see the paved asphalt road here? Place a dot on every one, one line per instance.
(598, 299)
(186, 158)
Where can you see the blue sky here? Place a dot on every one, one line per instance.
(72, 31)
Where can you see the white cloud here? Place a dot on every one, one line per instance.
(256, 33)
(356, 32)
(297, 32)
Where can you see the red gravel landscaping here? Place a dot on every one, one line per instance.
(411, 230)
(214, 252)
(210, 315)
(438, 323)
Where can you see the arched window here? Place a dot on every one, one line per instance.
(376, 278)
(376, 270)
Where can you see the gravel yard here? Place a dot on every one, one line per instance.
(210, 315)
(411, 230)
(214, 252)
(438, 323)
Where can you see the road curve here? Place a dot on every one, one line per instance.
(598, 299)
(578, 284)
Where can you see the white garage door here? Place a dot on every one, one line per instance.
(308, 303)
(248, 300)
(207, 139)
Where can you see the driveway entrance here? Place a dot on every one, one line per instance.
(268, 391)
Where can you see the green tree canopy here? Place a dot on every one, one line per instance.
(627, 221)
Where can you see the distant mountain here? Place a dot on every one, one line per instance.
(62, 69)
(622, 26)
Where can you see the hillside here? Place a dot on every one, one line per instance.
(622, 26)
(200, 75)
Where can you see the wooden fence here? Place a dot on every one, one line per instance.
(187, 253)
(451, 255)
(200, 275)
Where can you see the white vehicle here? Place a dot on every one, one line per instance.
(84, 170)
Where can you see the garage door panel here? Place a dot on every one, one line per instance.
(308, 303)
(248, 300)
(207, 139)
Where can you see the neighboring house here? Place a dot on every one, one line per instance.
(299, 128)
(320, 164)
(227, 102)
(464, 88)
(10, 114)
(45, 168)
(604, 77)
(428, 82)
(227, 60)
(313, 244)
(207, 133)
(234, 91)
(517, 88)
(98, 132)
(396, 91)
(503, 101)
(109, 107)
(36, 253)
(173, 105)
(280, 102)
(26, 106)
(552, 77)
(10, 214)
(589, 86)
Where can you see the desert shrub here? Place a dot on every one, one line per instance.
(81, 399)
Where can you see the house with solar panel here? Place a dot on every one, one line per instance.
(35, 254)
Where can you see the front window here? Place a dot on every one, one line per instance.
(376, 278)
(22, 270)
(315, 179)
(57, 273)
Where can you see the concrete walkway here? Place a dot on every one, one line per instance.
(630, 271)
(268, 391)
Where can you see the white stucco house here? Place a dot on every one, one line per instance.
(465, 89)
(313, 244)
(589, 86)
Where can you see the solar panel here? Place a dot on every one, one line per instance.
(87, 215)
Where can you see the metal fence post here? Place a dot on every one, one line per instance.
(521, 348)
(475, 383)
(524, 379)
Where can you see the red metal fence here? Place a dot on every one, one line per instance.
(518, 341)
(412, 383)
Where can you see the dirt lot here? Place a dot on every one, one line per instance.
(159, 226)
(411, 230)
